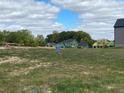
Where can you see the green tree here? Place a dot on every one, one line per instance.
(40, 40)
(79, 36)
(1, 38)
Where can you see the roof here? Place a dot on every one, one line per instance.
(95, 44)
(119, 23)
(83, 43)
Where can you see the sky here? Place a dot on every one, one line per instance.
(95, 17)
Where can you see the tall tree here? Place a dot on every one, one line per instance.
(79, 36)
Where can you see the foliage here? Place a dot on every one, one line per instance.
(21, 37)
(62, 36)
(24, 37)
(1, 37)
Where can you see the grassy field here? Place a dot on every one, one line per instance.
(38, 70)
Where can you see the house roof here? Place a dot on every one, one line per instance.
(83, 43)
(119, 23)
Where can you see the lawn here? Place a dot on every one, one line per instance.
(38, 70)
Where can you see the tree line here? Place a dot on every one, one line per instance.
(21, 37)
(56, 37)
(25, 37)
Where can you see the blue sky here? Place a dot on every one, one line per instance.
(68, 18)
(95, 17)
(46, 1)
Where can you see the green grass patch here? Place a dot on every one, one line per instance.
(74, 71)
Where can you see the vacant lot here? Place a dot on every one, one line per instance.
(37, 70)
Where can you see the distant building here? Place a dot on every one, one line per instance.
(70, 43)
(83, 44)
(103, 43)
(119, 33)
(51, 45)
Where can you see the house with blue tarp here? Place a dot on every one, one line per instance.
(72, 43)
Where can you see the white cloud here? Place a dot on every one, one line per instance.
(96, 16)
(38, 17)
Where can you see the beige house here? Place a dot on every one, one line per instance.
(103, 43)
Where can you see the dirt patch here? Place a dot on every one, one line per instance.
(25, 71)
(44, 88)
(111, 87)
(13, 60)
(2, 47)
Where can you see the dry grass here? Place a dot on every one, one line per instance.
(25, 70)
